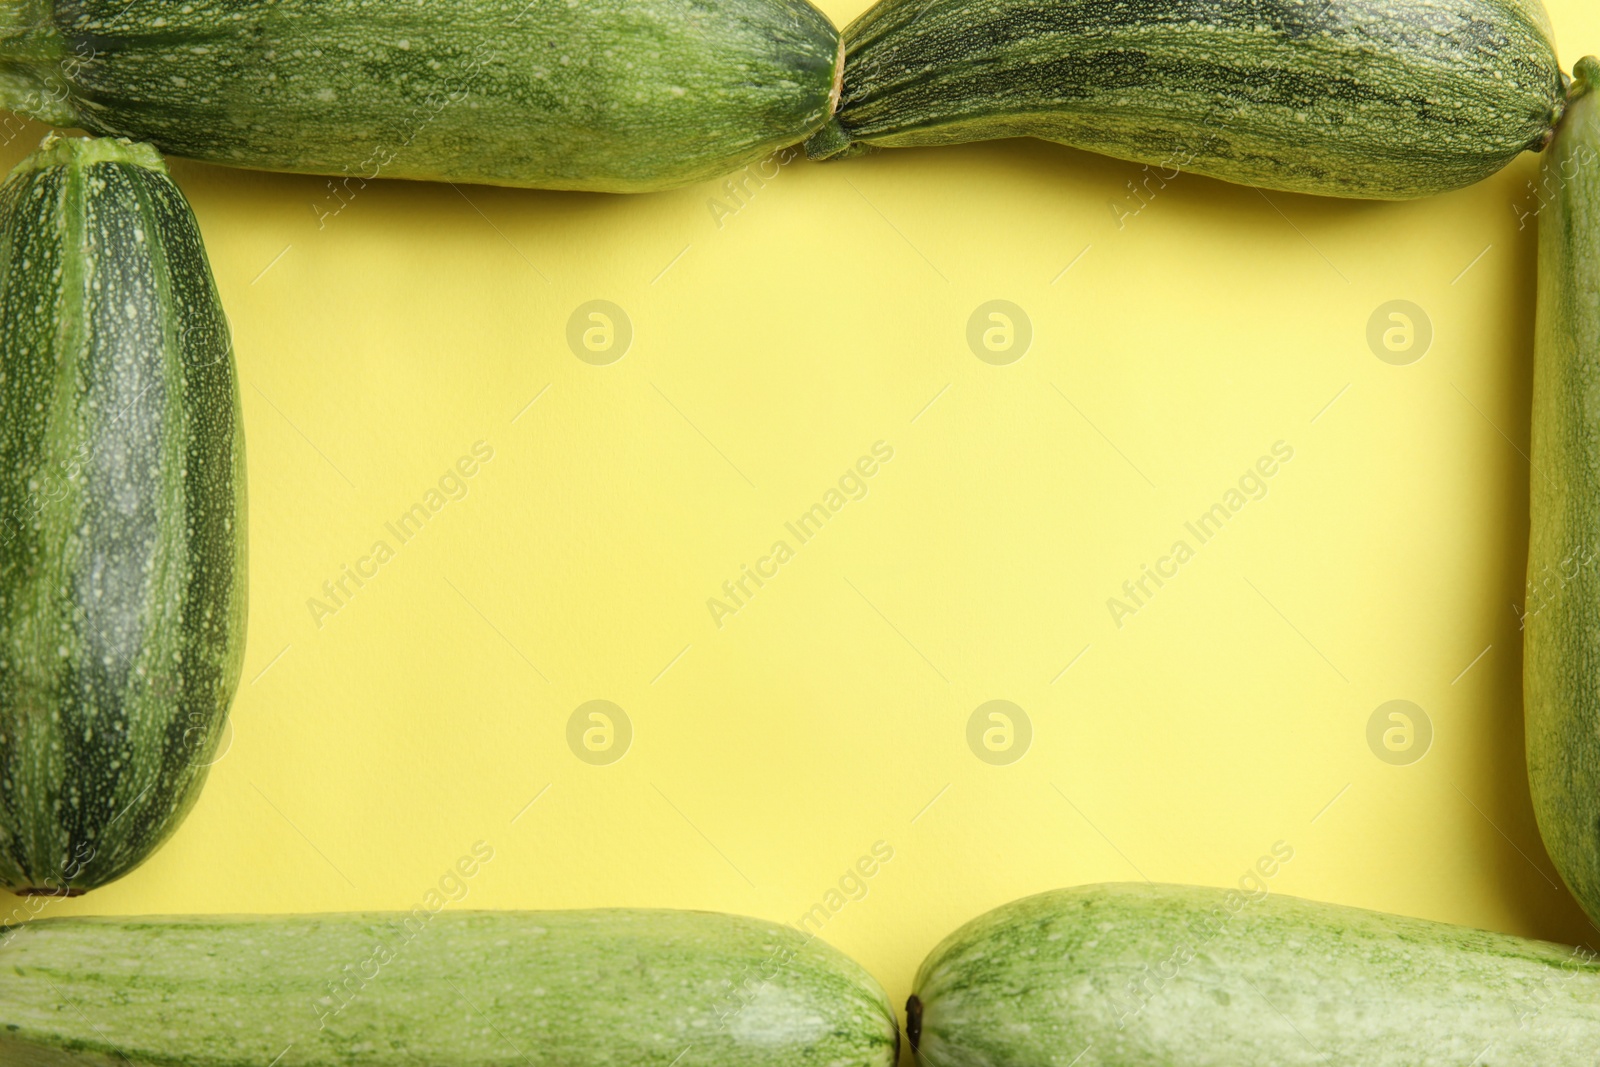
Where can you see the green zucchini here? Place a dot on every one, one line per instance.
(1384, 99)
(1178, 976)
(610, 988)
(603, 95)
(1561, 619)
(122, 514)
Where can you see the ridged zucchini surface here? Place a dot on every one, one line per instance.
(1177, 976)
(1561, 618)
(122, 514)
(1387, 99)
(606, 95)
(609, 988)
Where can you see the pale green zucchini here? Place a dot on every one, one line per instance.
(1561, 641)
(1385, 99)
(607, 95)
(122, 514)
(1178, 976)
(613, 988)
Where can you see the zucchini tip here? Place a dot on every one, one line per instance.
(1583, 80)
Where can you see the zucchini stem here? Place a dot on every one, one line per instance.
(838, 81)
(831, 141)
(1584, 80)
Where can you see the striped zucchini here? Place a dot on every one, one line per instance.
(1384, 99)
(1561, 657)
(613, 988)
(122, 514)
(603, 95)
(1177, 976)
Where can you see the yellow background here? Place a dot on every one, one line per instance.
(827, 313)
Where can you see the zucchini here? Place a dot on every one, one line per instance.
(610, 988)
(1384, 99)
(603, 95)
(1145, 975)
(1561, 620)
(122, 514)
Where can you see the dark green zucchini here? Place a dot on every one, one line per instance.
(122, 514)
(1182, 976)
(606, 95)
(436, 988)
(1561, 639)
(1384, 99)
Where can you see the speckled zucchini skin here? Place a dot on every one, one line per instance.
(1386, 99)
(122, 514)
(1179, 976)
(612, 988)
(606, 95)
(1561, 656)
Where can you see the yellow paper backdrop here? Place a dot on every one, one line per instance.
(780, 331)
